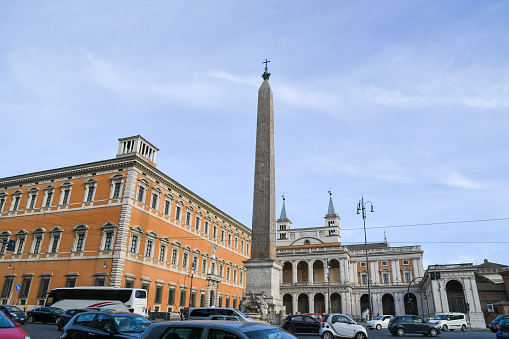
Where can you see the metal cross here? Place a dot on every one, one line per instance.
(266, 62)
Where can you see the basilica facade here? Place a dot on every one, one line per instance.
(321, 275)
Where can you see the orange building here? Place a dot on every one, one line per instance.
(119, 222)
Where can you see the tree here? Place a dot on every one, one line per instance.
(482, 279)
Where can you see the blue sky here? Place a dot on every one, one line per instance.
(404, 102)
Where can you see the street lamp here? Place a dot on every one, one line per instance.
(361, 207)
(328, 286)
(191, 291)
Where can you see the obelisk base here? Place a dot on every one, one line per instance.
(262, 289)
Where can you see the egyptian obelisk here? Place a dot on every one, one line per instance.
(262, 270)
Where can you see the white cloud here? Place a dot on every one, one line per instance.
(458, 180)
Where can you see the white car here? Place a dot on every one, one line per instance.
(382, 321)
(341, 326)
(450, 321)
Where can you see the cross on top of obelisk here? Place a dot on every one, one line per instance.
(266, 74)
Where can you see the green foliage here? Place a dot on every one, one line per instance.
(482, 279)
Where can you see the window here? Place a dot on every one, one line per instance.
(363, 264)
(6, 290)
(204, 266)
(156, 193)
(384, 263)
(188, 218)
(405, 263)
(222, 235)
(236, 243)
(227, 301)
(129, 283)
(184, 260)
(206, 227)
(195, 263)
(108, 241)
(4, 237)
(80, 237)
(55, 240)
(235, 275)
(100, 280)
(242, 245)
(193, 298)
(408, 277)
(134, 243)
(3, 196)
(32, 197)
(117, 181)
(25, 289)
(183, 297)
(385, 277)
(214, 233)
(148, 249)
(159, 294)
(197, 223)
(162, 252)
(247, 248)
(141, 194)
(65, 192)
(178, 209)
(241, 277)
(72, 279)
(48, 195)
(174, 256)
(282, 235)
(16, 198)
(142, 190)
(38, 234)
(212, 268)
(167, 206)
(364, 278)
(171, 296)
(229, 239)
(21, 243)
(220, 270)
(44, 286)
(227, 273)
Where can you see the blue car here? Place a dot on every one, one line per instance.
(503, 329)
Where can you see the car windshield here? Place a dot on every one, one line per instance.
(441, 317)
(269, 334)
(5, 322)
(131, 324)
(13, 309)
(378, 318)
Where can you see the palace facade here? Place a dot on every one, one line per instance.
(119, 222)
(321, 275)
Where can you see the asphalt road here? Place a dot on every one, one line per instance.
(50, 331)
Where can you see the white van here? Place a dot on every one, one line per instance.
(202, 313)
(451, 321)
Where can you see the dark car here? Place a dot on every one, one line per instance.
(212, 329)
(96, 325)
(401, 324)
(16, 314)
(10, 330)
(301, 323)
(44, 315)
(67, 315)
(494, 323)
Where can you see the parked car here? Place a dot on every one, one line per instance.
(339, 325)
(494, 323)
(301, 323)
(223, 317)
(44, 315)
(94, 325)
(317, 316)
(16, 314)
(10, 330)
(382, 321)
(451, 321)
(67, 315)
(402, 324)
(212, 329)
(503, 329)
(202, 313)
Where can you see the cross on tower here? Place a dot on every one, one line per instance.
(266, 74)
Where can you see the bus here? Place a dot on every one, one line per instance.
(119, 299)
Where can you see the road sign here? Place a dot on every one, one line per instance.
(18, 287)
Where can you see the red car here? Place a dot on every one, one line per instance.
(317, 316)
(10, 330)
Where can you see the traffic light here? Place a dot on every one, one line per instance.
(467, 307)
(10, 245)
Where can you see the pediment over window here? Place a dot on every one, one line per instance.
(56, 229)
(3, 195)
(157, 190)
(33, 190)
(176, 243)
(17, 192)
(49, 188)
(39, 230)
(22, 232)
(117, 176)
(137, 229)
(5, 233)
(91, 181)
(151, 234)
(164, 240)
(169, 196)
(187, 248)
(109, 224)
(143, 181)
(67, 184)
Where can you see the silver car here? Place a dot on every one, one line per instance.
(337, 325)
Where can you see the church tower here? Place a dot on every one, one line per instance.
(283, 223)
(332, 219)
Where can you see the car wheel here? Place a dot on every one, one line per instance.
(360, 335)
(30, 319)
(60, 326)
(445, 328)
(291, 330)
(379, 327)
(327, 335)
(463, 328)
(433, 332)
(400, 332)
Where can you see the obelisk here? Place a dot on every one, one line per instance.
(262, 270)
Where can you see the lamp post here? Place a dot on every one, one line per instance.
(361, 207)
(328, 286)
(191, 291)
